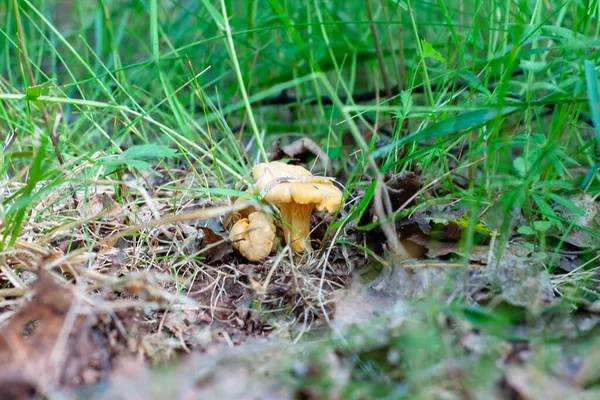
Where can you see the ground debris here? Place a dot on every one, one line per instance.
(393, 289)
(101, 205)
(301, 150)
(52, 341)
(531, 384)
(225, 317)
(584, 234)
(244, 373)
(519, 274)
(523, 281)
(400, 191)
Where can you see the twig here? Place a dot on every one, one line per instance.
(32, 79)
(10, 274)
(13, 292)
(10, 141)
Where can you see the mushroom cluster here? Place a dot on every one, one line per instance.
(296, 193)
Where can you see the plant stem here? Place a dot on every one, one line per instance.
(240, 78)
(31, 77)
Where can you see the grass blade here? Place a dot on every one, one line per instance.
(448, 126)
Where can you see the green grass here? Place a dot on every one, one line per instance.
(492, 101)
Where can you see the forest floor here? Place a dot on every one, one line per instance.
(462, 262)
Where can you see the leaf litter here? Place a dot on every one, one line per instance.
(55, 339)
(130, 283)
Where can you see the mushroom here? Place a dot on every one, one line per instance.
(296, 192)
(253, 237)
(241, 213)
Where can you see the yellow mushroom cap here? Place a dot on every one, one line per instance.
(254, 236)
(283, 183)
(297, 193)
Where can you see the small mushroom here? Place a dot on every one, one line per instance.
(235, 216)
(296, 192)
(253, 237)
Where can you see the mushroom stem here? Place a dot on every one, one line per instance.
(296, 225)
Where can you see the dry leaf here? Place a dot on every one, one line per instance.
(48, 342)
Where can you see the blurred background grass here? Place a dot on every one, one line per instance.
(135, 72)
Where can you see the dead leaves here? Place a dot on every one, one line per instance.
(101, 206)
(300, 150)
(59, 339)
(52, 340)
(191, 239)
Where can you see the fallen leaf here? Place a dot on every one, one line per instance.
(389, 291)
(215, 247)
(589, 371)
(588, 219)
(48, 342)
(300, 150)
(402, 188)
(241, 372)
(101, 205)
(523, 281)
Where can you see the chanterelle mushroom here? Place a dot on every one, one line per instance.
(235, 216)
(254, 236)
(296, 192)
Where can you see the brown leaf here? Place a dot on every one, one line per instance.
(435, 249)
(523, 281)
(590, 368)
(215, 239)
(102, 205)
(300, 150)
(394, 287)
(402, 188)
(48, 342)
(215, 246)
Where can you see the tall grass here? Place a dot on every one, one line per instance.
(499, 86)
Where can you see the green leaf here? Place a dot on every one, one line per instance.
(547, 86)
(533, 66)
(214, 13)
(526, 230)
(17, 212)
(448, 127)
(136, 157)
(541, 226)
(553, 184)
(566, 203)
(473, 81)
(545, 210)
(33, 92)
(430, 52)
(147, 151)
(363, 206)
(537, 138)
(334, 153)
(136, 164)
(520, 166)
(401, 3)
(565, 34)
(593, 95)
(407, 101)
